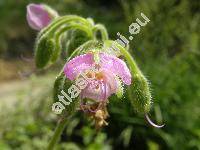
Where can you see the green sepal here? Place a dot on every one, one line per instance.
(93, 46)
(62, 83)
(139, 94)
(48, 46)
(73, 106)
(108, 48)
(43, 52)
(58, 86)
(139, 90)
(120, 88)
(86, 47)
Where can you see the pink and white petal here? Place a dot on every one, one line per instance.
(109, 78)
(37, 16)
(99, 94)
(78, 65)
(116, 66)
(91, 92)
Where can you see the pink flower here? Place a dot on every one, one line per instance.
(39, 16)
(104, 78)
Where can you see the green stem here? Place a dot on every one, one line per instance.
(61, 21)
(58, 131)
(133, 66)
(103, 31)
(59, 33)
(74, 26)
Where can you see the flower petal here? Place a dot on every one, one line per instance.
(96, 90)
(100, 90)
(37, 16)
(109, 78)
(117, 66)
(78, 65)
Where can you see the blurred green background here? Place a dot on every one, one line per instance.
(167, 49)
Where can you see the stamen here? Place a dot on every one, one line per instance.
(89, 75)
(98, 107)
(99, 76)
(97, 87)
(86, 108)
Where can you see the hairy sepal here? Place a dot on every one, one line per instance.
(139, 90)
(139, 94)
(43, 52)
(62, 83)
(48, 43)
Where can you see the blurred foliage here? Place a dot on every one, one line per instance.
(167, 50)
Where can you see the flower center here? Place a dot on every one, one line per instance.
(99, 76)
(95, 75)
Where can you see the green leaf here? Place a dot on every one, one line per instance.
(120, 88)
(91, 45)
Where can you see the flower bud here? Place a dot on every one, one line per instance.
(139, 94)
(44, 51)
(39, 16)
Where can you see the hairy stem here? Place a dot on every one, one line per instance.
(103, 31)
(58, 131)
(61, 21)
(58, 36)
